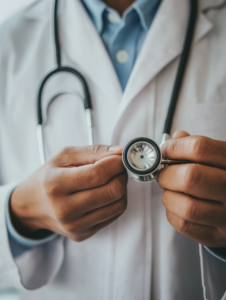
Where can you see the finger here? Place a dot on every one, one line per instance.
(96, 217)
(194, 179)
(197, 149)
(79, 156)
(179, 134)
(84, 202)
(194, 210)
(107, 212)
(87, 234)
(71, 180)
(202, 234)
(100, 226)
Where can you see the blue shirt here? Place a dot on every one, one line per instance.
(123, 38)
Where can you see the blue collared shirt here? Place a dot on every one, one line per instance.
(123, 36)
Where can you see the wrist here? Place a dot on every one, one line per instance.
(22, 213)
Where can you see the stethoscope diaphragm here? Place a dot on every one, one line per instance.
(142, 159)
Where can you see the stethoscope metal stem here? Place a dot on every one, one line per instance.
(40, 135)
(170, 162)
(40, 144)
(89, 123)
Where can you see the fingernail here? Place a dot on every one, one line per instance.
(115, 148)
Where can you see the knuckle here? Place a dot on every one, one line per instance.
(77, 226)
(165, 197)
(95, 149)
(116, 190)
(198, 146)
(72, 228)
(89, 201)
(63, 157)
(96, 176)
(52, 183)
(60, 213)
(51, 187)
(183, 226)
(81, 238)
(189, 210)
(66, 151)
(192, 177)
(121, 206)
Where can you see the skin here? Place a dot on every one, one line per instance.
(195, 193)
(75, 194)
(119, 5)
(82, 190)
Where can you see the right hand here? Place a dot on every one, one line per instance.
(75, 194)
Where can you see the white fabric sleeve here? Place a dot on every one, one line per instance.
(18, 238)
(213, 276)
(35, 267)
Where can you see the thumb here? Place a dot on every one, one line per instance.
(171, 145)
(180, 134)
(80, 156)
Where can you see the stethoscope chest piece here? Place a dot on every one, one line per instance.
(142, 159)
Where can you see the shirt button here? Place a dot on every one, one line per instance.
(112, 17)
(122, 56)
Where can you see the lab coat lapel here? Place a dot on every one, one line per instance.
(163, 44)
(84, 47)
(206, 5)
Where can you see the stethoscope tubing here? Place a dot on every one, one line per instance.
(87, 98)
(193, 7)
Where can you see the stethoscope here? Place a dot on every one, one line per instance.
(142, 156)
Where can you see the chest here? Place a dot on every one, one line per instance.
(201, 107)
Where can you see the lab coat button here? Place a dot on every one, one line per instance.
(122, 56)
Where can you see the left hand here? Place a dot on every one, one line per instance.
(195, 193)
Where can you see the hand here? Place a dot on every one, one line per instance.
(195, 193)
(75, 194)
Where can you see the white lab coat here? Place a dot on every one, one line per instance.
(140, 256)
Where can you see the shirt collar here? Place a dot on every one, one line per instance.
(95, 9)
(144, 8)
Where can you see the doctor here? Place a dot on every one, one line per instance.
(170, 241)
